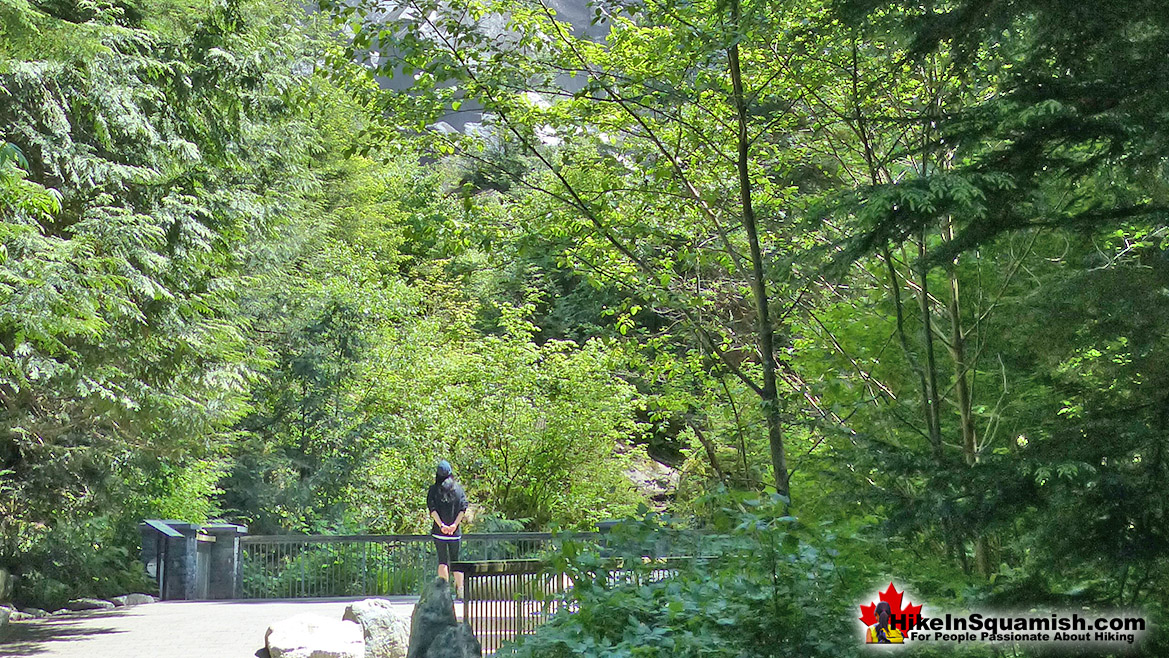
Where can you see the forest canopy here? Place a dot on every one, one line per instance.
(887, 280)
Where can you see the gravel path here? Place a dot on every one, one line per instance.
(174, 629)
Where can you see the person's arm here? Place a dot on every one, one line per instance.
(462, 505)
(432, 505)
(458, 519)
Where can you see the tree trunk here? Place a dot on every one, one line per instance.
(961, 370)
(964, 396)
(764, 329)
(711, 455)
(932, 406)
(899, 309)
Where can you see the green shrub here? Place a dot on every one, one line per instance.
(756, 583)
(78, 559)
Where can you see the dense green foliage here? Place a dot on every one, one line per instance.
(210, 309)
(937, 232)
(767, 587)
(905, 263)
(123, 365)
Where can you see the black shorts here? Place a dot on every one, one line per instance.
(448, 550)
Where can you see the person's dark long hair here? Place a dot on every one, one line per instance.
(883, 612)
(446, 487)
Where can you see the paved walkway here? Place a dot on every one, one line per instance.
(174, 629)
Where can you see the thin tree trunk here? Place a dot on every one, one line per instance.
(711, 455)
(961, 367)
(765, 331)
(961, 370)
(899, 307)
(738, 429)
(964, 396)
(933, 417)
(933, 400)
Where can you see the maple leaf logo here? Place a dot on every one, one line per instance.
(893, 598)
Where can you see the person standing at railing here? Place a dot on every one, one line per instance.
(448, 505)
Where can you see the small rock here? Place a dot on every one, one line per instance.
(312, 636)
(386, 627)
(58, 613)
(88, 604)
(132, 599)
(35, 613)
(19, 616)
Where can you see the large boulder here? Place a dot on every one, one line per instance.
(455, 642)
(3, 621)
(385, 625)
(312, 636)
(434, 613)
(132, 599)
(88, 604)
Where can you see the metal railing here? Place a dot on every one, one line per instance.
(509, 587)
(311, 566)
(506, 599)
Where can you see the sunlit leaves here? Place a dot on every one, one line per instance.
(138, 193)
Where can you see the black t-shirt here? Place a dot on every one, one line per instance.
(448, 504)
